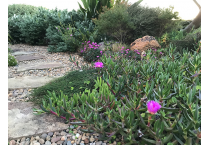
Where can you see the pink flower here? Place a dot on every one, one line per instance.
(152, 48)
(67, 28)
(129, 56)
(99, 64)
(84, 48)
(121, 52)
(97, 56)
(153, 107)
(81, 50)
(82, 43)
(155, 49)
(71, 35)
(161, 53)
(110, 56)
(155, 57)
(101, 51)
(56, 27)
(122, 47)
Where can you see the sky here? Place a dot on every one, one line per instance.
(187, 8)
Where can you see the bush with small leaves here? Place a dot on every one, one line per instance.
(11, 60)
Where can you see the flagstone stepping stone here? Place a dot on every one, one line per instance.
(43, 65)
(28, 82)
(22, 53)
(23, 123)
(29, 57)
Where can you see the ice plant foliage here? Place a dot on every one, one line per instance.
(153, 107)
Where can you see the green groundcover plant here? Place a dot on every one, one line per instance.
(153, 101)
(11, 59)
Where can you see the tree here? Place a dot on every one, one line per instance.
(196, 23)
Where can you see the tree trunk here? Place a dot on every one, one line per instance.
(196, 23)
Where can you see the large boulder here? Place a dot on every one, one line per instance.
(144, 43)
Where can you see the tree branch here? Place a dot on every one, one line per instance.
(197, 4)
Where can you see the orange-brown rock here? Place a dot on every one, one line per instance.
(144, 43)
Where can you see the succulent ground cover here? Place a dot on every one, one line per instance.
(153, 101)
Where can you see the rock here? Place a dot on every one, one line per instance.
(50, 134)
(54, 143)
(47, 143)
(86, 140)
(48, 137)
(23, 139)
(36, 143)
(77, 135)
(144, 43)
(92, 143)
(32, 139)
(114, 143)
(69, 143)
(99, 143)
(63, 133)
(27, 142)
(37, 137)
(72, 141)
(84, 137)
(65, 142)
(12, 142)
(41, 141)
(103, 143)
(60, 142)
(78, 141)
(92, 139)
(55, 139)
(63, 138)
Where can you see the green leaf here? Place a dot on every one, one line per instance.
(149, 140)
(168, 138)
(198, 87)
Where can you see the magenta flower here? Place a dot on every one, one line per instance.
(161, 53)
(155, 57)
(122, 47)
(99, 64)
(84, 48)
(68, 28)
(71, 35)
(152, 48)
(97, 56)
(129, 56)
(153, 107)
(110, 56)
(155, 49)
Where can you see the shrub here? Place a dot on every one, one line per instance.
(114, 22)
(150, 21)
(73, 79)
(92, 55)
(120, 106)
(11, 60)
(21, 9)
(14, 29)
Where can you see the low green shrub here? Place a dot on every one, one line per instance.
(92, 55)
(71, 83)
(21, 9)
(11, 60)
(171, 84)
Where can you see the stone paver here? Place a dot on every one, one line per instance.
(42, 65)
(28, 82)
(29, 57)
(22, 53)
(22, 122)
